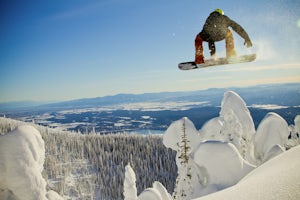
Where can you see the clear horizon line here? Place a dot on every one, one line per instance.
(41, 102)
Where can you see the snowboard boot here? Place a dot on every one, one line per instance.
(199, 56)
(229, 40)
(212, 50)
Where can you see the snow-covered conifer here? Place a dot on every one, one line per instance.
(183, 187)
(130, 191)
(273, 130)
(238, 126)
(157, 192)
(294, 137)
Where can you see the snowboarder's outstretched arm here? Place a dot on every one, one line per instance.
(239, 29)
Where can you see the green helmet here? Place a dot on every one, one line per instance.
(219, 11)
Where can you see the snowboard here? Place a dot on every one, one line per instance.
(218, 61)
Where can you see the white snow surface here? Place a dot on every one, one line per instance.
(157, 192)
(227, 148)
(232, 103)
(216, 161)
(273, 130)
(279, 178)
(223, 163)
(22, 155)
(173, 134)
(238, 126)
(150, 194)
(52, 195)
(211, 129)
(297, 123)
(130, 191)
(162, 191)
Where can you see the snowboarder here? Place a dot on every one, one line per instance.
(216, 29)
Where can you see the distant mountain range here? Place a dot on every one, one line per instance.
(280, 94)
(154, 111)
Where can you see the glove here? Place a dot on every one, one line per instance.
(248, 43)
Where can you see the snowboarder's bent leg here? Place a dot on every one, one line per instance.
(229, 40)
(199, 56)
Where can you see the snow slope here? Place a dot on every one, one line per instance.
(279, 178)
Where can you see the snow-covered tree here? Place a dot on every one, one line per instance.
(222, 165)
(182, 137)
(21, 163)
(92, 166)
(238, 126)
(183, 188)
(22, 155)
(294, 137)
(271, 137)
(130, 192)
(156, 192)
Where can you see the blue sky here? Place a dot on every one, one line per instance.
(61, 50)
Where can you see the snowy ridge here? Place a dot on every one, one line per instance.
(226, 149)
